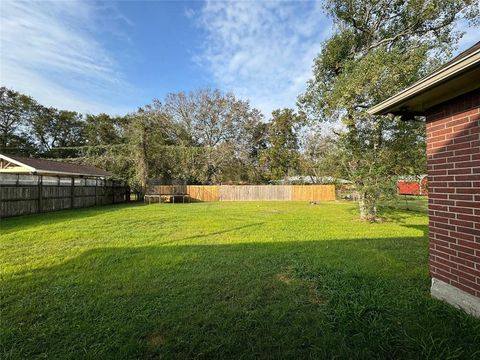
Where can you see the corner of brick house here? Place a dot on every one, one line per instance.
(449, 101)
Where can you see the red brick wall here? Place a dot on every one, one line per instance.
(453, 151)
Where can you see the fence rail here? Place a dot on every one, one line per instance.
(249, 192)
(28, 194)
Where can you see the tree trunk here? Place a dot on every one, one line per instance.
(362, 207)
(142, 165)
(367, 211)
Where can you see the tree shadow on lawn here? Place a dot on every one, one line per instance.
(11, 224)
(311, 299)
(387, 213)
(214, 233)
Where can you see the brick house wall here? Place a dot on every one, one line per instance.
(453, 151)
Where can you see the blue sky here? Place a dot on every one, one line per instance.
(115, 56)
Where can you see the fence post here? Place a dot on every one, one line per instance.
(113, 192)
(40, 190)
(72, 192)
(96, 184)
(127, 193)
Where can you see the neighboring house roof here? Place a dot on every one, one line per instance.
(313, 180)
(411, 178)
(20, 164)
(454, 78)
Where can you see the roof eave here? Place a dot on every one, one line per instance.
(401, 100)
(33, 170)
(52, 173)
(16, 162)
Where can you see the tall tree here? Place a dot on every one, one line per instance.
(58, 133)
(320, 158)
(281, 157)
(379, 47)
(103, 129)
(16, 111)
(153, 140)
(220, 124)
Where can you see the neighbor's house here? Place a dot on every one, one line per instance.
(312, 180)
(29, 185)
(449, 99)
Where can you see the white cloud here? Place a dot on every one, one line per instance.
(49, 50)
(262, 51)
(189, 13)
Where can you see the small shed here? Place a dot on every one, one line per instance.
(449, 99)
(412, 185)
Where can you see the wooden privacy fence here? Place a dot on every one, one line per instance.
(249, 192)
(255, 192)
(204, 192)
(28, 194)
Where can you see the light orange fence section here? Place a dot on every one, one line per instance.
(313, 192)
(203, 192)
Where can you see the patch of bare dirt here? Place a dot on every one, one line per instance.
(315, 297)
(155, 341)
(283, 277)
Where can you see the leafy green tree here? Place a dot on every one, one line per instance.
(281, 157)
(218, 134)
(147, 131)
(58, 133)
(15, 116)
(103, 129)
(251, 145)
(205, 136)
(320, 158)
(379, 48)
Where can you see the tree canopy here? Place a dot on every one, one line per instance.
(378, 48)
(207, 136)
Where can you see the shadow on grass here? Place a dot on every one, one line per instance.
(387, 213)
(312, 299)
(214, 233)
(33, 220)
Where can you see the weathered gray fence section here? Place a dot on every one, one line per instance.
(255, 192)
(28, 194)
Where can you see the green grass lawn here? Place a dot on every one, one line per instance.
(223, 280)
